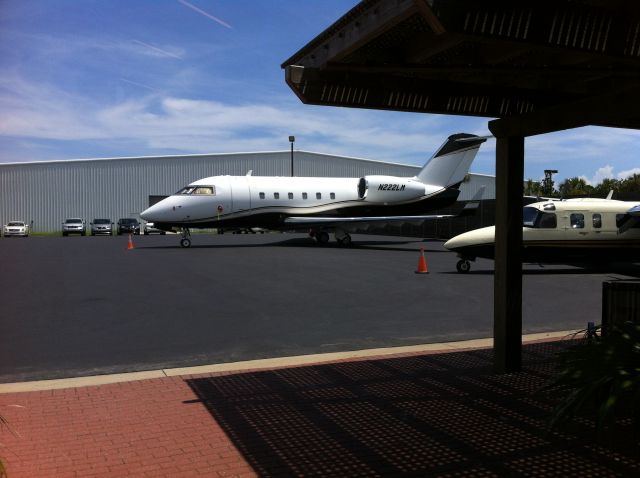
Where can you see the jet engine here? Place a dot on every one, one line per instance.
(388, 189)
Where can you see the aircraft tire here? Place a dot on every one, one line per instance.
(185, 242)
(322, 237)
(345, 241)
(463, 266)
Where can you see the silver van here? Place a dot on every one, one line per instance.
(101, 226)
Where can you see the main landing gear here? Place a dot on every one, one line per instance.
(463, 266)
(322, 237)
(185, 240)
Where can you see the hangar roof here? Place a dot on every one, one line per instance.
(533, 59)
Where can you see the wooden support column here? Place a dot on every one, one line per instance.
(507, 282)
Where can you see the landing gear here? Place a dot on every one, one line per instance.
(322, 237)
(343, 238)
(463, 266)
(185, 241)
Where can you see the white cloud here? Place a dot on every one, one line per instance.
(157, 123)
(206, 14)
(628, 173)
(169, 51)
(605, 172)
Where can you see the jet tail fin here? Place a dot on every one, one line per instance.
(450, 163)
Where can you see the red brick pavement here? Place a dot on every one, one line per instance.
(143, 428)
(439, 414)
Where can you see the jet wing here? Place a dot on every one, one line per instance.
(337, 221)
(469, 209)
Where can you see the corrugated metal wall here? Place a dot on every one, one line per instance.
(48, 192)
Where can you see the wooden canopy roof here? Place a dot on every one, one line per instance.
(551, 65)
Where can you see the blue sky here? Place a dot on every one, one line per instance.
(107, 78)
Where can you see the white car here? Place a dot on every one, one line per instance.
(15, 228)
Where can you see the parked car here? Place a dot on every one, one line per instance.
(149, 228)
(128, 225)
(101, 226)
(74, 225)
(15, 228)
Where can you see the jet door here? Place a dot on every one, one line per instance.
(241, 199)
(222, 203)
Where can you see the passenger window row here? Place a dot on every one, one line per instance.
(290, 195)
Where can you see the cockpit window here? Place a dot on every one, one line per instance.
(529, 216)
(200, 190)
(622, 219)
(547, 220)
(204, 190)
(532, 217)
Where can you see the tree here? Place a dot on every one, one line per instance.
(532, 188)
(607, 185)
(631, 184)
(575, 187)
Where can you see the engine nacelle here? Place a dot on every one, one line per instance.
(388, 189)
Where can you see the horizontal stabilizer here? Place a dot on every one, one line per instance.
(472, 206)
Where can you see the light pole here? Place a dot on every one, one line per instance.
(548, 181)
(292, 140)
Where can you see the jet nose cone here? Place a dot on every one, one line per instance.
(153, 213)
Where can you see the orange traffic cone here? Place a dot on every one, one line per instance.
(422, 263)
(130, 245)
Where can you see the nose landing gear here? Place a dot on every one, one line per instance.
(185, 240)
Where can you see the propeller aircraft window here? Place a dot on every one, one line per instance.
(597, 221)
(577, 220)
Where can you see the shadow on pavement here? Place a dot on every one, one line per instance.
(422, 415)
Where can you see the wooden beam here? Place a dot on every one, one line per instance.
(507, 282)
(610, 109)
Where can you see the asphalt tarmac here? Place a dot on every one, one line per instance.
(79, 306)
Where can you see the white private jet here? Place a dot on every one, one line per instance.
(318, 204)
(572, 231)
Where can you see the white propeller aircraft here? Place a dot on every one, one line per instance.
(571, 231)
(319, 205)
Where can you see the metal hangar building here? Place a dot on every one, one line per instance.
(45, 193)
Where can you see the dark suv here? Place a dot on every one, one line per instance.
(128, 226)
